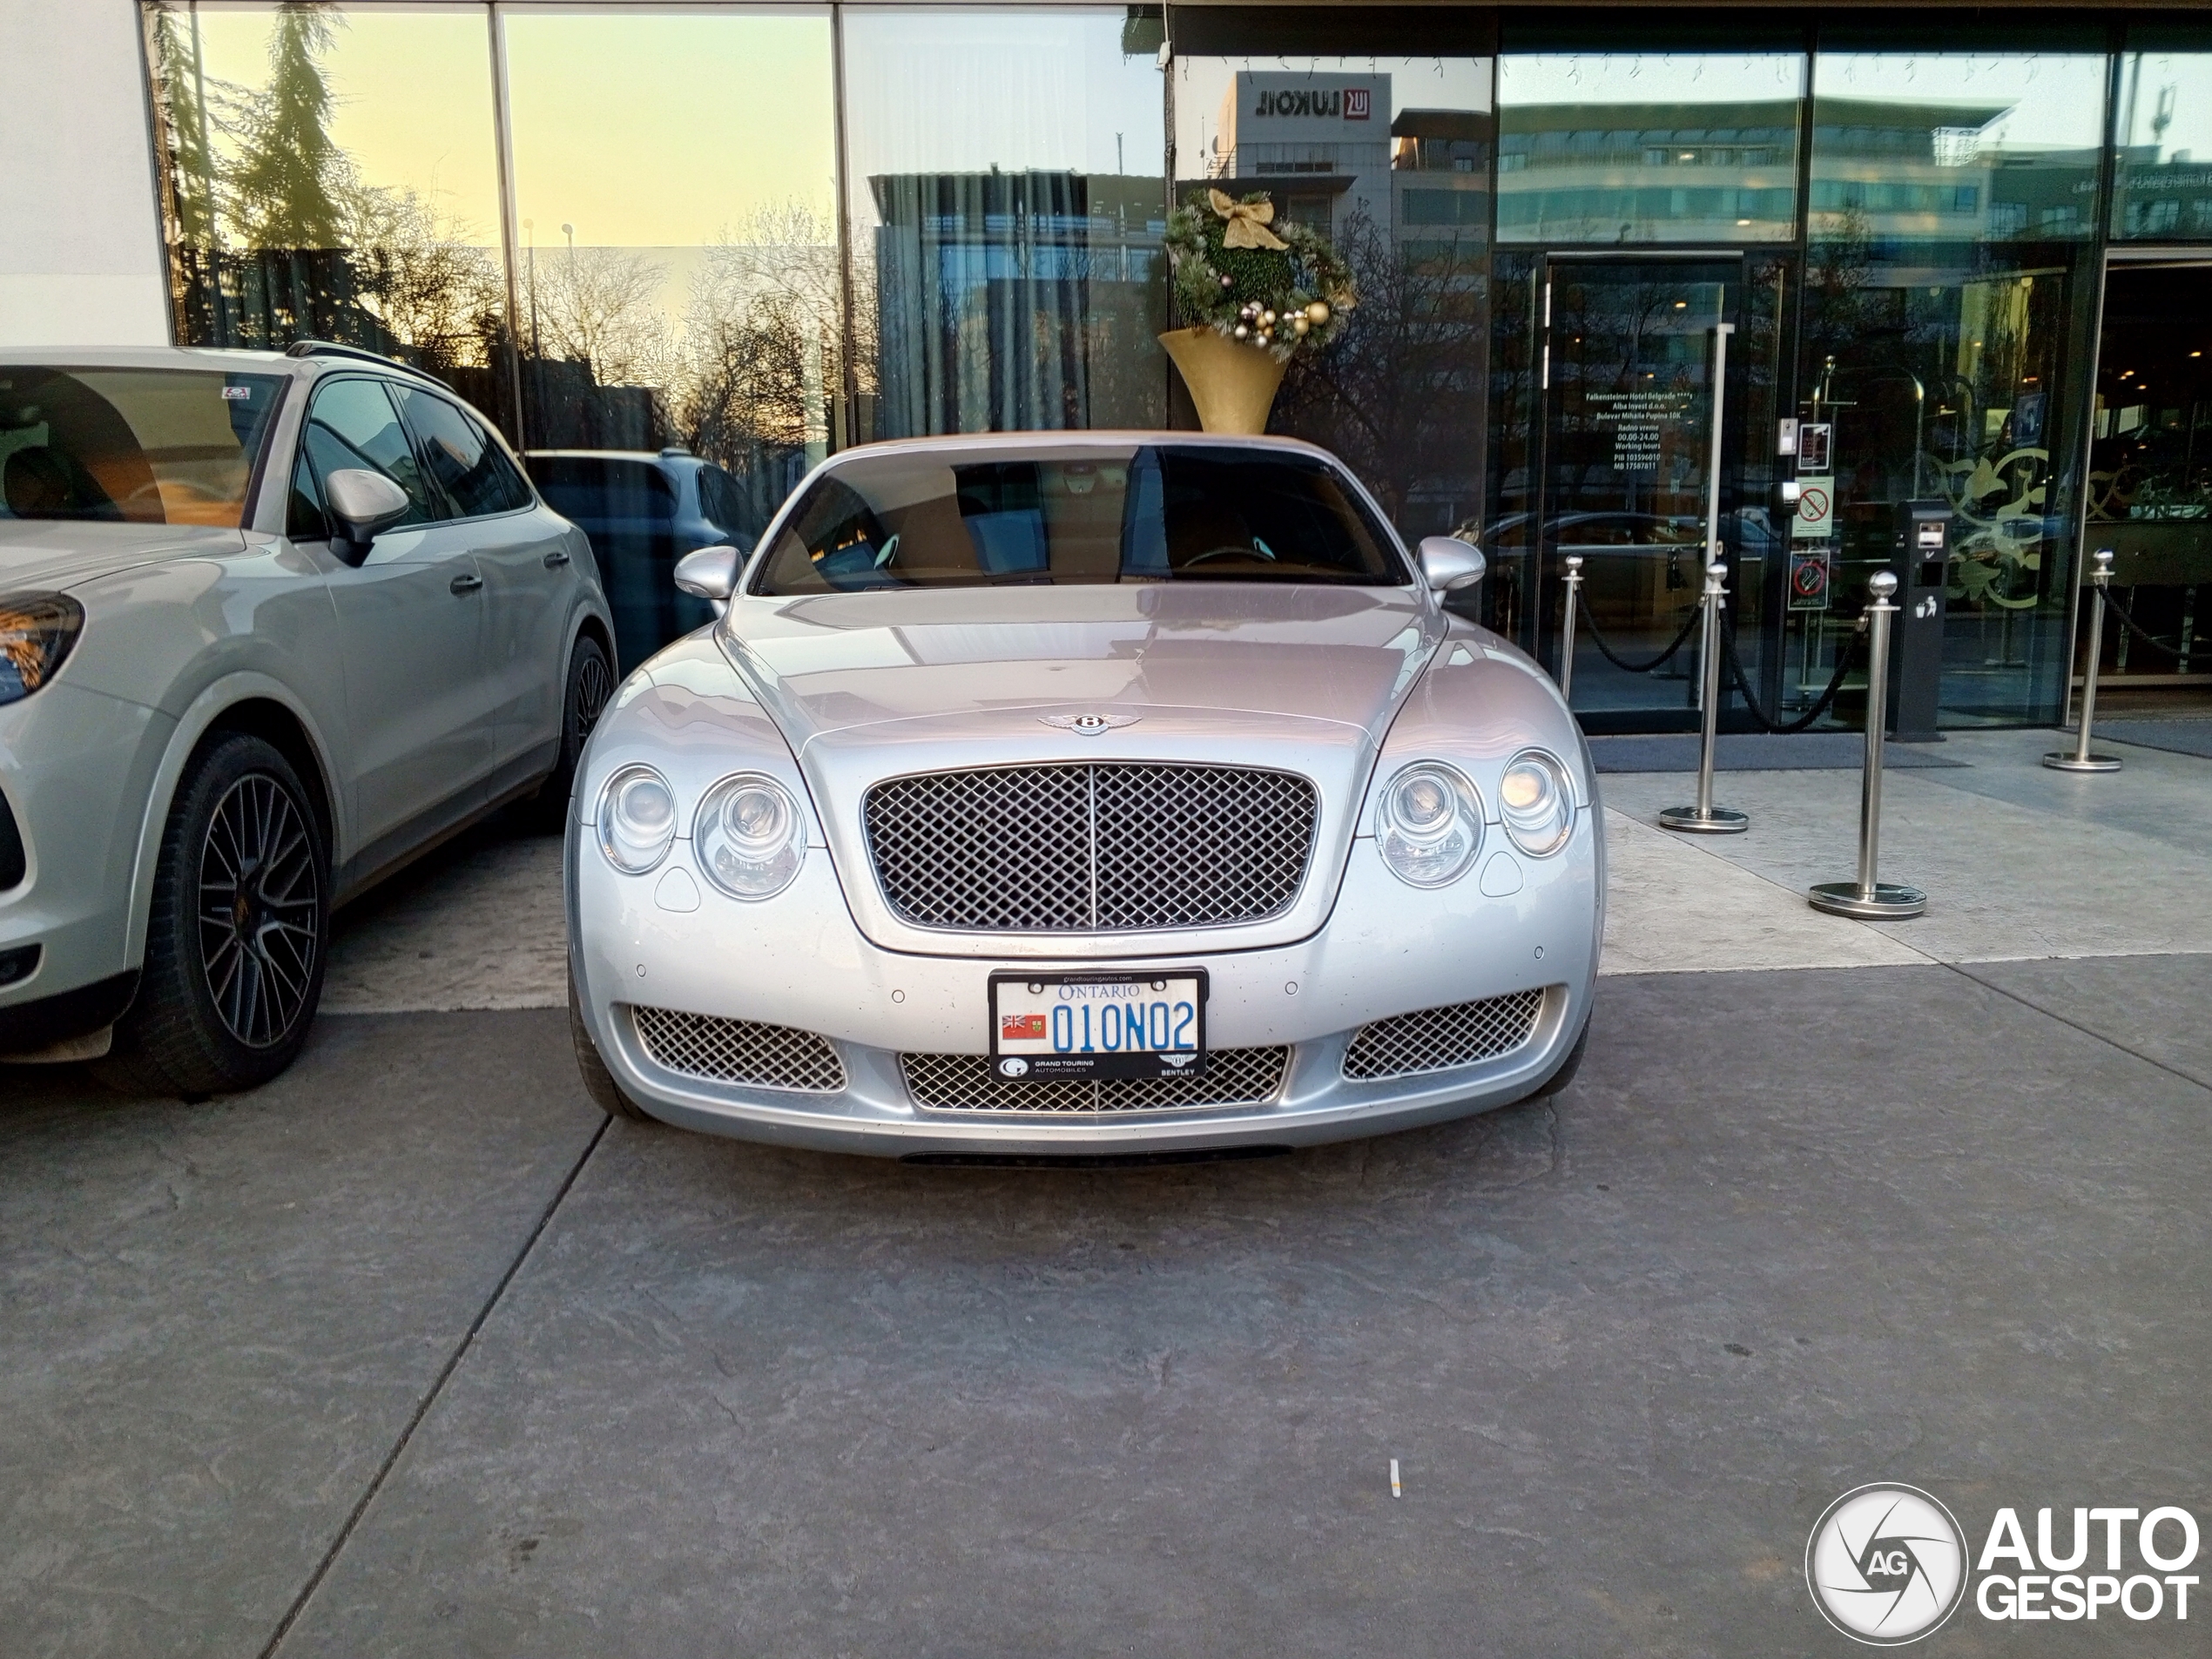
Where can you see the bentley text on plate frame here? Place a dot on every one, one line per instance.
(1077, 794)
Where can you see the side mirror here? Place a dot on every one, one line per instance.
(364, 502)
(709, 573)
(1449, 563)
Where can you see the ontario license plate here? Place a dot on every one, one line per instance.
(1047, 1027)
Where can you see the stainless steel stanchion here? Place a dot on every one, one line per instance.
(2081, 760)
(1866, 898)
(1705, 819)
(1566, 628)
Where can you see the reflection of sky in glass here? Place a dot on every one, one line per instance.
(649, 130)
(411, 97)
(1415, 83)
(2166, 102)
(950, 92)
(2050, 101)
(666, 134)
(1649, 77)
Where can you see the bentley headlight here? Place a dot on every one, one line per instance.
(1428, 822)
(1536, 803)
(749, 837)
(636, 819)
(37, 630)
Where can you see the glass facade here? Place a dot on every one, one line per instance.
(677, 247)
(1006, 199)
(691, 249)
(1389, 155)
(2162, 143)
(1625, 147)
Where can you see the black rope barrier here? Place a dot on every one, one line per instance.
(2136, 628)
(1844, 658)
(1656, 662)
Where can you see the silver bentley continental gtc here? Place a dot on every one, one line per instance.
(1082, 795)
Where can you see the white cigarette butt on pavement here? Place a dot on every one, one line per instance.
(1395, 1491)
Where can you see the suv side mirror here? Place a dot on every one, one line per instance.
(709, 573)
(1449, 563)
(364, 502)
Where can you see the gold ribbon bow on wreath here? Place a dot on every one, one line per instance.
(1248, 222)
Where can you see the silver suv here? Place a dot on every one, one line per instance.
(270, 625)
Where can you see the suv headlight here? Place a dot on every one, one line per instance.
(636, 819)
(1428, 822)
(1536, 803)
(749, 837)
(37, 630)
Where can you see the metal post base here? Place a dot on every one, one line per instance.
(1721, 820)
(2067, 760)
(1886, 902)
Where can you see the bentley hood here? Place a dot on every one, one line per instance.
(873, 685)
(892, 669)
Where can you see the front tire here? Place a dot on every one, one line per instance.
(598, 1081)
(238, 932)
(591, 686)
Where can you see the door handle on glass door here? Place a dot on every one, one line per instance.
(555, 559)
(466, 584)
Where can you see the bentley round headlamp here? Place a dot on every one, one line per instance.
(1536, 803)
(37, 630)
(636, 819)
(749, 837)
(1428, 822)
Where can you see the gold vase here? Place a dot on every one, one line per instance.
(1233, 384)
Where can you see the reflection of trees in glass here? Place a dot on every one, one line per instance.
(276, 238)
(597, 306)
(757, 360)
(1399, 394)
(758, 357)
(287, 180)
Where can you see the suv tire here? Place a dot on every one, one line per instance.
(591, 686)
(239, 932)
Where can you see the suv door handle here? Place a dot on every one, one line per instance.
(555, 559)
(466, 584)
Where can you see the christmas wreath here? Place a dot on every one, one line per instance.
(1280, 287)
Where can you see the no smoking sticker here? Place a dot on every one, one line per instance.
(1816, 510)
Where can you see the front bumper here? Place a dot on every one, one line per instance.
(800, 962)
(77, 767)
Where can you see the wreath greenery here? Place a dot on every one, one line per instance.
(1285, 299)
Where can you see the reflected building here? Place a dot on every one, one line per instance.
(1010, 301)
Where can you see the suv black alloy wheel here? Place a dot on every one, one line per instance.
(239, 931)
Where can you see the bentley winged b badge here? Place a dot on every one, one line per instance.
(1091, 726)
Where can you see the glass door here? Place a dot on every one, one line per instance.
(1626, 387)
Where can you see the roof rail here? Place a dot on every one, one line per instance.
(361, 354)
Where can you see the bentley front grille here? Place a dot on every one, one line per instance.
(1111, 847)
(1439, 1039)
(739, 1051)
(965, 1082)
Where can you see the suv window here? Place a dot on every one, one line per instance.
(143, 446)
(605, 490)
(720, 503)
(471, 468)
(352, 423)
